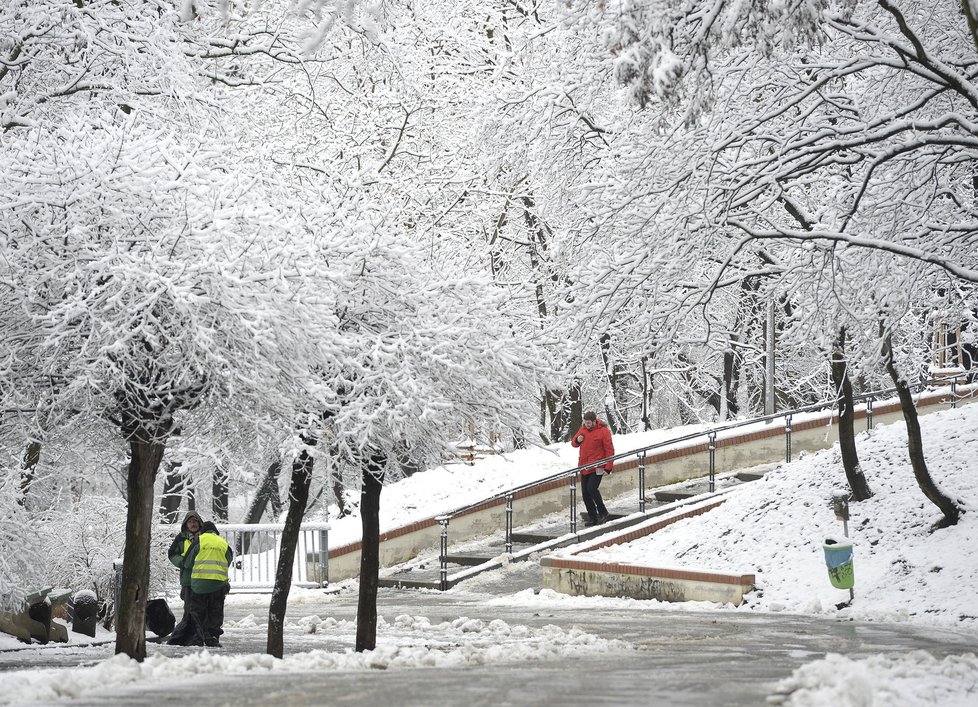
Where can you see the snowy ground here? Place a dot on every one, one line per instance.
(905, 573)
(775, 528)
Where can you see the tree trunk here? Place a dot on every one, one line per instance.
(146, 455)
(730, 380)
(373, 482)
(914, 444)
(648, 388)
(219, 493)
(266, 489)
(174, 486)
(336, 481)
(549, 407)
(575, 413)
(298, 498)
(615, 419)
(32, 455)
(847, 433)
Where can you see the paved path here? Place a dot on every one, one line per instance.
(683, 658)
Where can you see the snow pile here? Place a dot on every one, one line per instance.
(408, 642)
(884, 681)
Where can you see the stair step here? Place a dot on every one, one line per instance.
(532, 538)
(611, 516)
(467, 560)
(669, 496)
(749, 475)
(408, 583)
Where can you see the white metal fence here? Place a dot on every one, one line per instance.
(257, 549)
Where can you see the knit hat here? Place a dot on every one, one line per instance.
(589, 415)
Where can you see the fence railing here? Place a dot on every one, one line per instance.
(709, 436)
(257, 548)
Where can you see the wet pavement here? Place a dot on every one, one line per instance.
(675, 657)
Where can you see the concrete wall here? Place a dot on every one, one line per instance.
(735, 450)
(577, 578)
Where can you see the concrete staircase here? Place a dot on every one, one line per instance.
(548, 533)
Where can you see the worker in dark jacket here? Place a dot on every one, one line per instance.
(594, 442)
(177, 553)
(210, 557)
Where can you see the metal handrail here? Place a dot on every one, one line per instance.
(711, 435)
(873, 395)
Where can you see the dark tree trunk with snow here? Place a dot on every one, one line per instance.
(575, 410)
(146, 454)
(648, 389)
(616, 387)
(174, 487)
(847, 434)
(298, 499)
(219, 493)
(336, 481)
(32, 455)
(915, 445)
(373, 483)
(267, 490)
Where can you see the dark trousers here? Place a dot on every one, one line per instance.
(183, 632)
(207, 613)
(592, 496)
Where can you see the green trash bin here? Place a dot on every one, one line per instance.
(838, 560)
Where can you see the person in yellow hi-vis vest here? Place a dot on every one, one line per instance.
(210, 556)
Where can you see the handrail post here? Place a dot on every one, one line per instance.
(954, 392)
(323, 558)
(509, 522)
(713, 460)
(787, 438)
(641, 482)
(443, 522)
(573, 503)
(869, 414)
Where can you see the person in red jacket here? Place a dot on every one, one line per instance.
(594, 442)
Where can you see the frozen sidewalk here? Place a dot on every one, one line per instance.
(517, 647)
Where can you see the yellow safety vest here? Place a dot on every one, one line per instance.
(211, 561)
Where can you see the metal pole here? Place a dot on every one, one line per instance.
(641, 482)
(787, 438)
(509, 522)
(573, 503)
(869, 414)
(769, 392)
(713, 460)
(845, 531)
(954, 392)
(443, 522)
(323, 558)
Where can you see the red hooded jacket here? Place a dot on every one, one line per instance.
(596, 445)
